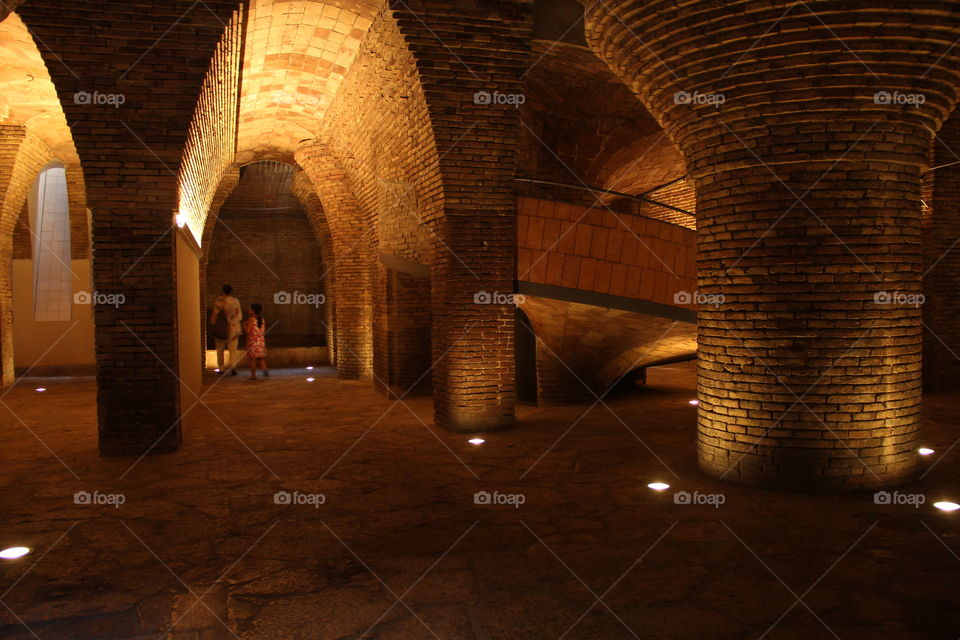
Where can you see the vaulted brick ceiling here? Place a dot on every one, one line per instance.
(27, 95)
(588, 124)
(296, 55)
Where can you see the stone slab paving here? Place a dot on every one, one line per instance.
(323, 510)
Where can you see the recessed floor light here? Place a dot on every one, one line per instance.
(476, 441)
(946, 506)
(694, 402)
(12, 553)
(658, 486)
(925, 451)
(41, 389)
(309, 368)
(310, 379)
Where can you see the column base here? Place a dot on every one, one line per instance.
(811, 474)
(480, 420)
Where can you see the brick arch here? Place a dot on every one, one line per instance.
(790, 126)
(231, 176)
(304, 191)
(34, 134)
(22, 156)
(379, 130)
(584, 349)
(297, 54)
(23, 72)
(583, 123)
(483, 49)
(132, 192)
(352, 250)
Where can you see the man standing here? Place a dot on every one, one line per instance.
(225, 321)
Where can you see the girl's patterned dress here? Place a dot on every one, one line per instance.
(256, 344)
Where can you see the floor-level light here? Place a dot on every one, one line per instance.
(309, 368)
(925, 451)
(41, 389)
(12, 553)
(946, 506)
(694, 402)
(310, 379)
(476, 441)
(658, 486)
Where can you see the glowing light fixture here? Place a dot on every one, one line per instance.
(310, 379)
(694, 402)
(41, 389)
(181, 219)
(310, 368)
(925, 451)
(946, 506)
(12, 553)
(658, 486)
(476, 441)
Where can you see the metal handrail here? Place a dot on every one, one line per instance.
(607, 191)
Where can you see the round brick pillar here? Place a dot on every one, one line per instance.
(805, 128)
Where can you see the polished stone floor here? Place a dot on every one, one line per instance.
(322, 510)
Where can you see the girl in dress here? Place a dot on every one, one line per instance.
(256, 343)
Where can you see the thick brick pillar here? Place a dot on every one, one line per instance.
(809, 376)
(351, 247)
(130, 110)
(941, 252)
(470, 58)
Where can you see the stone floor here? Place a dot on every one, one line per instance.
(381, 537)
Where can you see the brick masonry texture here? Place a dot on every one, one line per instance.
(582, 350)
(384, 144)
(481, 47)
(352, 256)
(22, 156)
(212, 139)
(129, 156)
(581, 125)
(941, 262)
(803, 379)
(262, 245)
(361, 126)
(598, 250)
(310, 202)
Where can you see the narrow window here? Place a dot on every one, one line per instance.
(52, 276)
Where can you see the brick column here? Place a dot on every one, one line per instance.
(465, 55)
(22, 156)
(402, 355)
(130, 152)
(307, 196)
(941, 252)
(764, 120)
(351, 257)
